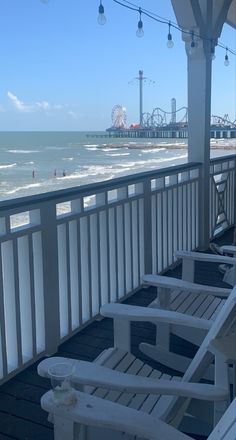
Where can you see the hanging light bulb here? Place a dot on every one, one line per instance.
(192, 45)
(170, 42)
(213, 55)
(101, 17)
(140, 32)
(226, 62)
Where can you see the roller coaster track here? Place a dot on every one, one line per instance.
(161, 118)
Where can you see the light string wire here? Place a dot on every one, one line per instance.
(131, 6)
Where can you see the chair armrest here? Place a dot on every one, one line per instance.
(173, 283)
(200, 256)
(89, 373)
(136, 313)
(94, 411)
(229, 249)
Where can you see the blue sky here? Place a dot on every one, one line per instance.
(61, 70)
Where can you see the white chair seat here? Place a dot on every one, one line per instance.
(124, 362)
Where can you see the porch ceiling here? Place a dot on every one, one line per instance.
(231, 16)
(192, 14)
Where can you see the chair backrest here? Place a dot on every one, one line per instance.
(224, 323)
(226, 427)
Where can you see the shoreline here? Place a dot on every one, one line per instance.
(177, 146)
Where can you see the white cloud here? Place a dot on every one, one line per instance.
(39, 106)
(44, 105)
(18, 104)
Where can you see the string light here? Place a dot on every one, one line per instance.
(193, 45)
(140, 32)
(101, 17)
(226, 62)
(170, 42)
(127, 4)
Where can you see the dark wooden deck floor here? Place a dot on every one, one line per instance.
(21, 416)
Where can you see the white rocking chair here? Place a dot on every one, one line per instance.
(100, 413)
(145, 389)
(187, 297)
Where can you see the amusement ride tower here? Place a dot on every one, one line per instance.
(141, 78)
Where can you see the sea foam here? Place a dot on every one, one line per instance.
(11, 165)
(23, 151)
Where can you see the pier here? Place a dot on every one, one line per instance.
(164, 133)
(161, 133)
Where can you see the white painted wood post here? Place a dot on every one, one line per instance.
(234, 200)
(147, 226)
(50, 276)
(199, 105)
(122, 336)
(204, 19)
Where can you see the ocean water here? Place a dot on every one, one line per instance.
(38, 162)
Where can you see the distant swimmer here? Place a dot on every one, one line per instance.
(64, 173)
(33, 174)
(55, 173)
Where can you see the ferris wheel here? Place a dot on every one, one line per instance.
(118, 116)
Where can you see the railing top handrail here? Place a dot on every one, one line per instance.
(94, 188)
(223, 158)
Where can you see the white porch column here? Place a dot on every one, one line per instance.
(203, 18)
(199, 120)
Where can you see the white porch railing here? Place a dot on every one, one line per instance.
(66, 253)
(222, 194)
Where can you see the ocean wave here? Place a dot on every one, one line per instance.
(11, 165)
(117, 154)
(113, 147)
(105, 171)
(165, 159)
(90, 146)
(68, 158)
(153, 150)
(23, 188)
(109, 149)
(23, 151)
(91, 171)
(68, 177)
(131, 164)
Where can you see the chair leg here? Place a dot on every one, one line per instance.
(65, 429)
(163, 335)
